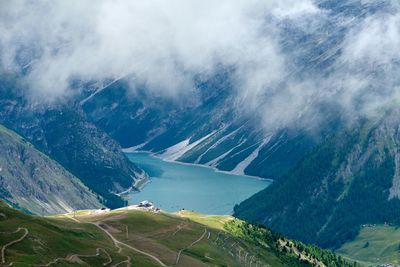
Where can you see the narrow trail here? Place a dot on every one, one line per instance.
(127, 261)
(178, 257)
(118, 244)
(126, 231)
(74, 257)
(51, 263)
(109, 260)
(113, 239)
(216, 240)
(178, 228)
(3, 249)
(73, 218)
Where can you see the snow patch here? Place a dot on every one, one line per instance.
(217, 160)
(216, 144)
(100, 89)
(133, 148)
(239, 169)
(176, 151)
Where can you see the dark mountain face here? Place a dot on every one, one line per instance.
(32, 181)
(350, 179)
(62, 132)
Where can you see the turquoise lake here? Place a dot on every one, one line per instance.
(175, 186)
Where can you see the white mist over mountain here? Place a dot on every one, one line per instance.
(164, 44)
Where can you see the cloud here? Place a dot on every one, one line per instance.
(161, 43)
(349, 62)
(288, 56)
(368, 67)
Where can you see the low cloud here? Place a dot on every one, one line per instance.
(163, 44)
(367, 70)
(272, 46)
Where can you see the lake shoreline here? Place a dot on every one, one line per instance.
(175, 185)
(155, 155)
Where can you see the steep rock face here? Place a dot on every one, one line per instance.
(350, 179)
(62, 132)
(32, 181)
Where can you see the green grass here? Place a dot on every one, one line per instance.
(212, 221)
(49, 239)
(374, 245)
(59, 236)
(203, 240)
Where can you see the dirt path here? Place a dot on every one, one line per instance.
(72, 218)
(178, 257)
(109, 260)
(118, 244)
(3, 249)
(115, 241)
(75, 257)
(126, 231)
(178, 228)
(216, 240)
(127, 261)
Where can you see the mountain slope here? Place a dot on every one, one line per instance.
(142, 238)
(206, 129)
(214, 125)
(62, 131)
(351, 179)
(375, 245)
(34, 182)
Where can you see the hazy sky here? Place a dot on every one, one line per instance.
(163, 44)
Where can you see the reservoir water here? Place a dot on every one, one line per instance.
(175, 186)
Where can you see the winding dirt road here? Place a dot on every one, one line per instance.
(3, 249)
(178, 228)
(118, 244)
(74, 257)
(127, 261)
(178, 257)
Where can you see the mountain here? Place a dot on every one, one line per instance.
(349, 180)
(206, 130)
(334, 167)
(143, 238)
(32, 181)
(62, 131)
(214, 126)
(328, 163)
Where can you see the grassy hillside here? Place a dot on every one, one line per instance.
(142, 238)
(374, 245)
